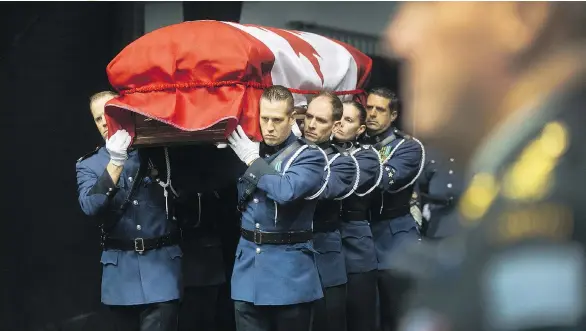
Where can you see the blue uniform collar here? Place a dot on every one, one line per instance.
(270, 150)
(345, 144)
(325, 144)
(381, 136)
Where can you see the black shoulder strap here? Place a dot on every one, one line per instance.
(402, 134)
(89, 154)
(385, 142)
(286, 152)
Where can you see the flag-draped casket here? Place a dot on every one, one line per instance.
(195, 81)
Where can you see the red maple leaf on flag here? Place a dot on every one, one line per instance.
(300, 46)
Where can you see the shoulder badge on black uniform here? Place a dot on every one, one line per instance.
(89, 154)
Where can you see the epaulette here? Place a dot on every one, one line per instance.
(402, 134)
(89, 154)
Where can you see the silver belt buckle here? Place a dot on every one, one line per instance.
(139, 245)
(257, 239)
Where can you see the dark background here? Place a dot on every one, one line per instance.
(52, 58)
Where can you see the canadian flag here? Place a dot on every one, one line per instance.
(195, 74)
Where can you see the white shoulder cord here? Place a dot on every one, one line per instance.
(380, 172)
(327, 170)
(355, 186)
(287, 165)
(421, 166)
(168, 183)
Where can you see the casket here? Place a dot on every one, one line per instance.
(194, 82)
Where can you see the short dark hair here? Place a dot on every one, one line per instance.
(361, 110)
(335, 102)
(101, 94)
(386, 93)
(279, 93)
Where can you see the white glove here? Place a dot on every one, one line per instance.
(117, 146)
(426, 213)
(245, 149)
(296, 130)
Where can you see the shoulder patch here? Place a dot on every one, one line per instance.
(89, 154)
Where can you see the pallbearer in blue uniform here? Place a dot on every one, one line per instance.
(275, 279)
(402, 159)
(322, 117)
(141, 280)
(357, 241)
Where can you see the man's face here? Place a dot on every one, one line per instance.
(455, 63)
(319, 121)
(350, 126)
(378, 114)
(275, 121)
(97, 109)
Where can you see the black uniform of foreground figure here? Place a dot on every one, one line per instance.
(520, 265)
(204, 178)
(439, 188)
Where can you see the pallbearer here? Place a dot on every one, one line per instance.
(357, 242)
(322, 117)
(275, 279)
(393, 226)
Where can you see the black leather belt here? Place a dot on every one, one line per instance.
(321, 227)
(389, 214)
(354, 215)
(277, 238)
(142, 244)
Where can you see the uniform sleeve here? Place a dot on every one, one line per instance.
(402, 167)
(303, 178)
(342, 176)
(94, 192)
(369, 164)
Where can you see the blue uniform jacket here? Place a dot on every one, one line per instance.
(130, 278)
(357, 242)
(402, 161)
(279, 274)
(341, 183)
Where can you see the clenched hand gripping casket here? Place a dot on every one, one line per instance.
(195, 81)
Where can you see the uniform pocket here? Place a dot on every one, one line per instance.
(174, 252)
(357, 232)
(328, 244)
(404, 224)
(109, 257)
(303, 247)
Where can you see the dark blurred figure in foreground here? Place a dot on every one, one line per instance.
(506, 80)
(206, 213)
